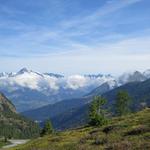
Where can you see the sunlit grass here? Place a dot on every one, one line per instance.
(128, 132)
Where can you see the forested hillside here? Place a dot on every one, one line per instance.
(13, 125)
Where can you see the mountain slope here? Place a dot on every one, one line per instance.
(105, 87)
(71, 118)
(50, 111)
(70, 113)
(139, 92)
(6, 105)
(130, 132)
(13, 124)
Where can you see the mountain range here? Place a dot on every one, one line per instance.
(28, 89)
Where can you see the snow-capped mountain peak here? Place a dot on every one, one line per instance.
(133, 76)
(3, 74)
(25, 85)
(23, 70)
(54, 75)
(147, 73)
(99, 76)
(26, 78)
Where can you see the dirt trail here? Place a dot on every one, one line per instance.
(15, 143)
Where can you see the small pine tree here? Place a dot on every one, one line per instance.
(48, 128)
(5, 139)
(97, 113)
(122, 105)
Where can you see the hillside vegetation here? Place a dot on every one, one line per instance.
(13, 125)
(131, 132)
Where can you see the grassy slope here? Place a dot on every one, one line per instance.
(125, 133)
(2, 143)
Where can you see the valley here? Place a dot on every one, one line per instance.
(70, 120)
(74, 74)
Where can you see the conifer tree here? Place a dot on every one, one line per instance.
(122, 105)
(48, 128)
(97, 113)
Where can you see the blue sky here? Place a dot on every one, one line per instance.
(80, 36)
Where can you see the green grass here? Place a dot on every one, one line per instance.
(130, 132)
(3, 143)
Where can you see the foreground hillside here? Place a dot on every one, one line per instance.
(124, 133)
(13, 125)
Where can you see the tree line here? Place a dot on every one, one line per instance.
(98, 114)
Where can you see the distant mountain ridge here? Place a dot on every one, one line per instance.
(28, 89)
(74, 112)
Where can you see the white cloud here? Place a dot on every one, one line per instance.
(30, 80)
(127, 54)
(76, 81)
(46, 84)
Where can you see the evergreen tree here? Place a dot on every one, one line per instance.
(48, 128)
(97, 113)
(5, 139)
(122, 105)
